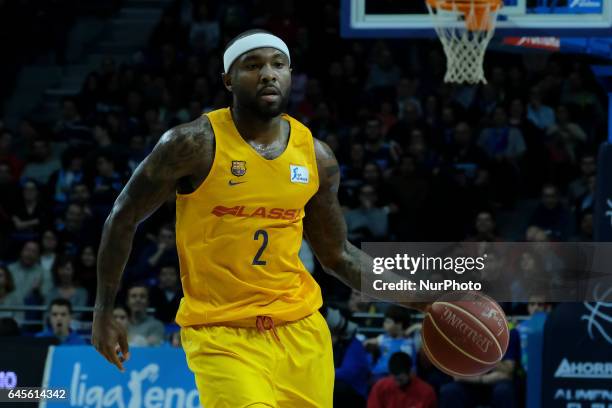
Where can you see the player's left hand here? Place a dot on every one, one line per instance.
(110, 339)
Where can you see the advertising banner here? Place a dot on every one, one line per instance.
(22, 363)
(577, 358)
(153, 378)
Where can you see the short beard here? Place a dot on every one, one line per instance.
(260, 111)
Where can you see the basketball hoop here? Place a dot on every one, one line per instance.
(465, 28)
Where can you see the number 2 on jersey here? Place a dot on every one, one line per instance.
(256, 260)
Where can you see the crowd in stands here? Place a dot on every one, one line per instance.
(420, 161)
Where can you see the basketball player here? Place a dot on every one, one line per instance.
(249, 181)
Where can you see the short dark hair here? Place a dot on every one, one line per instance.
(60, 262)
(138, 284)
(61, 302)
(400, 363)
(399, 315)
(122, 307)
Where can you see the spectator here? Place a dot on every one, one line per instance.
(406, 92)
(538, 307)
(8, 296)
(162, 251)
(63, 180)
(376, 149)
(356, 303)
(31, 216)
(527, 273)
(86, 267)
(42, 163)
(352, 367)
(495, 388)
(8, 154)
(485, 228)
(580, 186)
(369, 221)
(586, 202)
(73, 232)
(80, 195)
(402, 388)
(409, 191)
(60, 318)
(397, 320)
(582, 100)
(90, 94)
(174, 339)
(502, 142)
(205, 32)
(387, 117)
(565, 137)
(8, 186)
(410, 120)
(418, 147)
(49, 245)
(107, 184)
(542, 116)
(585, 228)
(167, 294)
(32, 282)
(120, 314)
(63, 272)
(137, 153)
(463, 153)
(384, 73)
(551, 215)
(504, 145)
(104, 139)
(354, 168)
(144, 330)
(169, 31)
(8, 201)
(372, 175)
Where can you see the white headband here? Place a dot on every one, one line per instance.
(250, 42)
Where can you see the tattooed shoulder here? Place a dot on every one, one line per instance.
(184, 148)
(329, 170)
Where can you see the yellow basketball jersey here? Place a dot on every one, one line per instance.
(238, 235)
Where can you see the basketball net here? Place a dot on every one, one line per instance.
(465, 28)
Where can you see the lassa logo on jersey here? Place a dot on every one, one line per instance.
(262, 212)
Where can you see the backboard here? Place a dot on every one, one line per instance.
(546, 18)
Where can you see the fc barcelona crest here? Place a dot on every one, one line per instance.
(238, 167)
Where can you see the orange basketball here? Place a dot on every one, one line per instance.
(465, 333)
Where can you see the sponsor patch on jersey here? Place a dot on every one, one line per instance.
(239, 168)
(299, 174)
(261, 212)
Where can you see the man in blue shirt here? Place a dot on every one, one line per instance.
(60, 316)
(495, 388)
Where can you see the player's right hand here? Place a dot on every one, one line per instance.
(110, 339)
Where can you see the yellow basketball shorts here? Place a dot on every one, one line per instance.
(243, 367)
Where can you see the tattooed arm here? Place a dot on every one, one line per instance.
(182, 154)
(325, 227)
